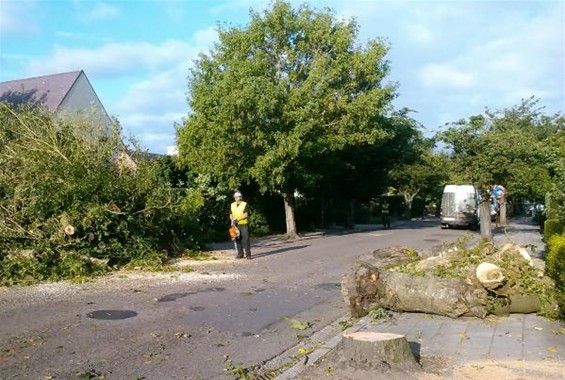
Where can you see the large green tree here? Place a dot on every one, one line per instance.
(284, 92)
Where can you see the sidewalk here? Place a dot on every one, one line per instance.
(521, 346)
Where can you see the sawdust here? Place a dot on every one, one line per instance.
(503, 369)
(121, 280)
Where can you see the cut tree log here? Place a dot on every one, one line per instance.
(372, 350)
(369, 285)
(517, 251)
(490, 275)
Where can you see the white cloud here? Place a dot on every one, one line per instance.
(152, 122)
(420, 33)
(18, 17)
(445, 76)
(154, 131)
(113, 59)
(205, 38)
(158, 93)
(511, 54)
(126, 58)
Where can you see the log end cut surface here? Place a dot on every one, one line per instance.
(369, 336)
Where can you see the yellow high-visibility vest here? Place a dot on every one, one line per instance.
(237, 212)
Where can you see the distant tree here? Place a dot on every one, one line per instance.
(274, 99)
(503, 147)
(554, 149)
(421, 177)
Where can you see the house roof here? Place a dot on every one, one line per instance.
(49, 90)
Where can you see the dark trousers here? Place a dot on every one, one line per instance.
(243, 244)
(386, 220)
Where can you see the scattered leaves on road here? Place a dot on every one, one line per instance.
(299, 325)
(182, 335)
(345, 325)
(305, 351)
(463, 336)
(559, 332)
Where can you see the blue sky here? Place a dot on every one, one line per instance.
(451, 59)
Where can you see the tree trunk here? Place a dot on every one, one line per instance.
(409, 199)
(502, 211)
(369, 285)
(377, 350)
(288, 198)
(486, 226)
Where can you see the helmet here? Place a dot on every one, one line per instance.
(237, 194)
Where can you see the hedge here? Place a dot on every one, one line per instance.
(555, 268)
(552, 227)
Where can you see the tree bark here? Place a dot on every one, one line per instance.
(288, 198)
(409, 199)
(486, 226)
(369, 285)
(502, 210)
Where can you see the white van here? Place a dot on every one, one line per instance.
(459, 206)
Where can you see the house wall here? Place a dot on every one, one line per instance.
(82, 98)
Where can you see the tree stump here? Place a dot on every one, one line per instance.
(372, 350)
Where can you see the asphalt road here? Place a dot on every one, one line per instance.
(235, 314)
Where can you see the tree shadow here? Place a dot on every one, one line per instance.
(19, 98)
(415, 347)
(280, 250)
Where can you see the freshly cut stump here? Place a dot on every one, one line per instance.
(373, 350)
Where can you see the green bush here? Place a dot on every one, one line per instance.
(70, 194)
(555, 268)
(258, 224)
(552, 227)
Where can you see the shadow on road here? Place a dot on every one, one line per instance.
(280, 250)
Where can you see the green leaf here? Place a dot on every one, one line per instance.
(299, 325)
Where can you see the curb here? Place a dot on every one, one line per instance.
(326, 336)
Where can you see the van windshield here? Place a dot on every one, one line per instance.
(458, 202)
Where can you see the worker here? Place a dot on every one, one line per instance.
(385, 212)
(239, 217)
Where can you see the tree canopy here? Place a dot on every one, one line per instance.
(273, 100)
(504, 147)
(509, 147)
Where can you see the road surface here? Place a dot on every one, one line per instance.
(225, 316)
